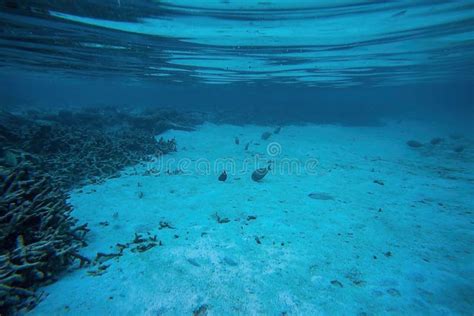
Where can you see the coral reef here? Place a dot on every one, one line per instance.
(38, 237)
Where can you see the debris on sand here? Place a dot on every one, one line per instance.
(414, 144)
(236, 140)
(277, 130)
(355, 276)
(143, 248)
(100, 270)
(221, 220)
(138, 239)
(164, 224)
(101, 257)
(321, 196)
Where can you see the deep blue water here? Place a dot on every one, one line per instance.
(449, 102)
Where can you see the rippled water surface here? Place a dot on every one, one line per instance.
(322, 43)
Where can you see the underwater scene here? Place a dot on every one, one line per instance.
(236, 157)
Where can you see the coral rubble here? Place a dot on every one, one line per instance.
(42, 156)
(38, 237)
(86, 146)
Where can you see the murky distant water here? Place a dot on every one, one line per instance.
(310, 43)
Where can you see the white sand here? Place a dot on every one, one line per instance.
(426, 222)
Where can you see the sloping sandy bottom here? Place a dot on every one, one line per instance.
(356, 247)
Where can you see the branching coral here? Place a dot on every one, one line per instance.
(38, 236)
(83, 147)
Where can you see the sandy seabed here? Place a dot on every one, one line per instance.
(328, 240)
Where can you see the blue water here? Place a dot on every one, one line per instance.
(327, 44)
(349, 82)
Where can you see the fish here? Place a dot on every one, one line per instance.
(237, 140)
(247, 146)
(260, 173)
(266, 135)
(223, 176)
(277, 130)
(201, 311)
(414, 144)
